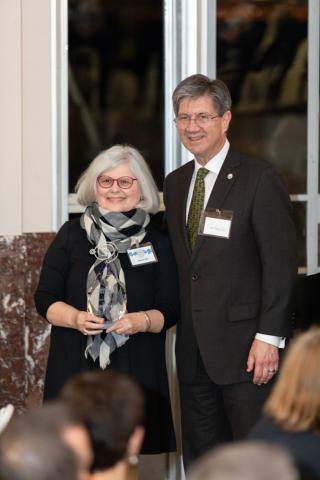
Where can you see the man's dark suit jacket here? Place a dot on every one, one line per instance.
(232, 288)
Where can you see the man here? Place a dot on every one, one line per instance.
(237, 266)
(46, 444)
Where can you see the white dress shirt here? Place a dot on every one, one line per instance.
(214, 166)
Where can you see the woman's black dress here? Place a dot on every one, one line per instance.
(152, 286)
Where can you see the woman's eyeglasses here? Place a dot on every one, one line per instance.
(123, 182)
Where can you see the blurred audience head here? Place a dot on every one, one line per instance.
(45, 444)
(111, 406)
(294, 403)
(244, 461)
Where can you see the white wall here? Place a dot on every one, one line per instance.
(10, 118)
(25, 117)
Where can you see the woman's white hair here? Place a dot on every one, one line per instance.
(111, 158)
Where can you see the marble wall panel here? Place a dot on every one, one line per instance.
(23, 333)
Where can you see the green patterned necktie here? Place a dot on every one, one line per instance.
(196, 205)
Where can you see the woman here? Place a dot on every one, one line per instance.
(292, 412)
(111, 406)
(108, 286)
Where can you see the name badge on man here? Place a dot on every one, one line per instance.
(216, 223)
(142, 255)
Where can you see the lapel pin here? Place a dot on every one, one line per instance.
(229, 176)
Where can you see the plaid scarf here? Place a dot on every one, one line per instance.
(110, 233)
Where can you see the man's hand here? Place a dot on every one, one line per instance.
(263, 360)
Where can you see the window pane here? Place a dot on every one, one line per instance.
(262, 56)
(115, 80)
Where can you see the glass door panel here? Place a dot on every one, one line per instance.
(115, 80)
(262, 56)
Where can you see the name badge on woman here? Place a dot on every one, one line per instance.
(142, 255)
(216, 223)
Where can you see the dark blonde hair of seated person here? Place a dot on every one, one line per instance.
(111, 405)
(294, 403)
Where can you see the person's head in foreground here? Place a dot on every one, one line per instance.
(45, 444)
(111, 406)
(244, 461)
(294, 403)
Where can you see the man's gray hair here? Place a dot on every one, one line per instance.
(245, 461)
(199, 85)
(111, 158)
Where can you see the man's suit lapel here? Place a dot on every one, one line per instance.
(184, 184)
(226, 178)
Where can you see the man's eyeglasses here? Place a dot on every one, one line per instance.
(202, 119)
(123, 182)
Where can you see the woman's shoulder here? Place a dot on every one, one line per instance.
(70, 231)
(156, 230)
(160, 241)
(70, 226)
